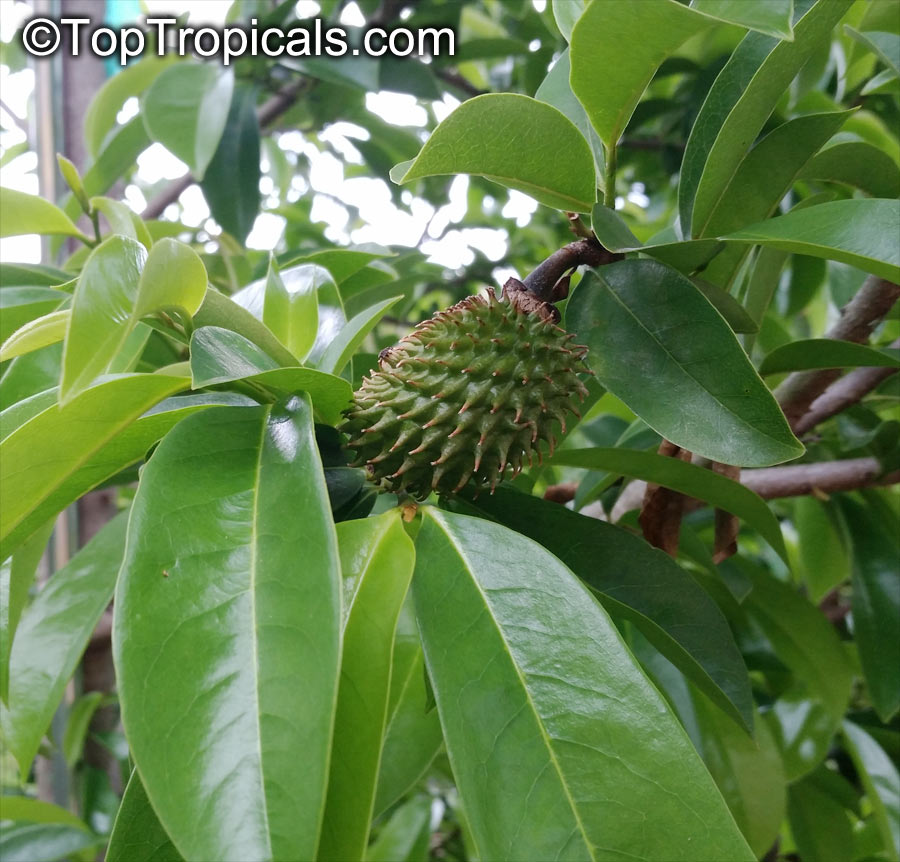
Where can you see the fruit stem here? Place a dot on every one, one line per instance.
(583, 251)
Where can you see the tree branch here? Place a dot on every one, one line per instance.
(858, 318)
(583, 251)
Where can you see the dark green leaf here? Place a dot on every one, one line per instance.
(137, 835)
(230, 600)
(767, 16)
(858, 164)
(820, 825)
(826, 353)
(823, 558)
(657, 343)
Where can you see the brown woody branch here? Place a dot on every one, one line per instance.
(587, 252)
(859, 317)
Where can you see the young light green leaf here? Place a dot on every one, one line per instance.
(185, 109)
(25, 810)
(558, 743)
(741, 99)
(377, 560)
(772, 17)
(232, 599)
(73, 180)
(19, 305)
(657, 344)
(876, 605)
(231, 182)
(122, 220)
(292, 312)
(352, 334)
(858, 164)
(92, 437)
(642, 584)
(809, 353)
(860, 232)
(885, 46)
(137, 834)
(689, 479)
(881, 782)
(21, 213)
(513, 140)
(36, 334)
(221, 356)
(633, 37)
(120, 284)
(52, 635)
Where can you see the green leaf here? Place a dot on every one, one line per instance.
(689, 479)
(377, 560)
(21, 213)
(633, 37)
(820, 825)
(54, 630)
(43, 842)
(25, 810)
(766, 16)
(120, 284)
(804, 718)
(79, 719)
(762, 179)
(73, 180)
(404, 838)
(734, 313)
(186, 108)
(292, 312)
(860, 232)
(639, 583)
(231, 182)
(31, 374)
(353, 332)
(885, 46)
(858, 164)
(811, 353)
(823, 558)
(230, 602)
(880, 781)
(36, 334)
(219, 310)
(222, 356)
(19, 305)
(412, 736)
(657, 344)
(137, 834)
(122, 219)
(876, 605)
(566, 13)
(615, 235)
(513, 140)
(106, 103)
(741, 99)
(16, 579)
(558, 743)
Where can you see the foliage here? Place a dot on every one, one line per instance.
(306, 669)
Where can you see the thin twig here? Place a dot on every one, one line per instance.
(581, 252)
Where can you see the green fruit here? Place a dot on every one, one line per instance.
(468, 395)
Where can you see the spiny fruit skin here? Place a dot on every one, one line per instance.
(468, 395)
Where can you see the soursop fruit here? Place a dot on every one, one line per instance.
(468, 395)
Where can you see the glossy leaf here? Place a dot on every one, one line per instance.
(36, 334)
(292, 311)
(404, 838)
(377, 560)
(885, 46)
(43, 842)
(186, 108)
(566, 14)
(231, 182)
(760, 182)
(657, 344)
(513, 140)
(412, 736)
(804, 718)
(859, 232)
(351, 336)
(93, 437)
(231, 601)
(21, 213)
(31, 374)
(137, 835)
(823, 559)
(19, 305)
(881, 782)
(122, 220)
(559, 745)
(813, 353)
(739, 102)
(633, 37)
(221, 356)
(876, 605)
(119, 285)
(767, 16)
(52, 635)
(819, 823)
(689, 479)
(858, 164)
(639, 583)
